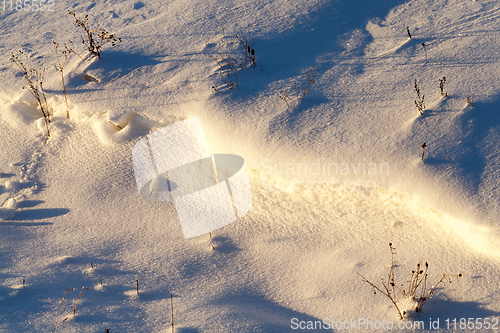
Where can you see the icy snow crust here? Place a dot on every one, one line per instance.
(334, 178)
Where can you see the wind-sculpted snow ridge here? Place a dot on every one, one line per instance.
(351, 195)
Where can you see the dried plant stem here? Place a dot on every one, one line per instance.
(34, 79)
(61, 62)
(424, 298)
(441, 86)
(284, 95)
(386, 293)
(100, 34)
(300, 93)
(226, 61)
(420, 103)
(62, 308)
(229, 62)
(416, 290)
(248, 51)
(172, 307)
(311, 77)
(221, 24)
(74, 307)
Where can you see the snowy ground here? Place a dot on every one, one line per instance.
(335, 177)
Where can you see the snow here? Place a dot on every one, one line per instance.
(334, 178)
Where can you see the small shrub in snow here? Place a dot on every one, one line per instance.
(420, 103)
(414, 295)
(425, 50)
(34, 80)
(423, 150)
(441, 86)
(408, 31)
(227, 58)
(298, 93)
(94, 39)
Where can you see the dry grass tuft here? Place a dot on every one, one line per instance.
(413, 296)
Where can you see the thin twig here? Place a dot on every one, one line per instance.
(74, 307)
(59, 321)
(172, 307)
